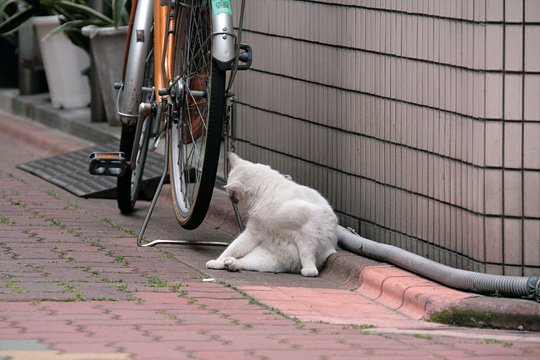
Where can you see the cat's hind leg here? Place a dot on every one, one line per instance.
(307, 258)
(243, 244)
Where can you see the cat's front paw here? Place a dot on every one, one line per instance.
(214, 264)
(231, 264)
(309, 271)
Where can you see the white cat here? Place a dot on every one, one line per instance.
(291, 228)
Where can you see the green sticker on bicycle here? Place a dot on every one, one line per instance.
(222, 7)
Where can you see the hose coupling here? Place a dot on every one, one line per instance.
(533, 285)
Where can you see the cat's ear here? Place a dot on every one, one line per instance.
(235, 190)
(235, 160)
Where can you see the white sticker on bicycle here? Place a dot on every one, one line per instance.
(222, 7)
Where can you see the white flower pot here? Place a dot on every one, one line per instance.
(63, 63)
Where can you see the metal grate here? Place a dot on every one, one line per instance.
(70, 172)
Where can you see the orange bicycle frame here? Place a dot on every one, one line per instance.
(163, 22)
(163, 46)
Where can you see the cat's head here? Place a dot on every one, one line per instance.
(238, 177)
(246, 178)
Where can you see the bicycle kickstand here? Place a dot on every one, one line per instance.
(153, 205)
(229, 146)
(229, 134)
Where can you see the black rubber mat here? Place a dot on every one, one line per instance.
(70, 171)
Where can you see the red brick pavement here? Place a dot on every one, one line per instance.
(74, 286)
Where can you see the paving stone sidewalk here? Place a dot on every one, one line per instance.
(73, 285)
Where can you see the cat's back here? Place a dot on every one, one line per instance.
(294, 192)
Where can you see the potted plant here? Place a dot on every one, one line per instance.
(106, 52)
(106, 35)
(63, 61)
(17, 31)
(56, 21)
(65, 65)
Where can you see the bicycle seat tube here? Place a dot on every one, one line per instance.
(130, 93)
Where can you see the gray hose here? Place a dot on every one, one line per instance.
(510, 286)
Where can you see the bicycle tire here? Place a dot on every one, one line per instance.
(196, 129)
(129, 184)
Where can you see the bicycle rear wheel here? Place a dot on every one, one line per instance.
(197, 117)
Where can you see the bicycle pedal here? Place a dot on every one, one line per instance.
(107, 163)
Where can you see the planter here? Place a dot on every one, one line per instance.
(63, 63)
(32, 78)
(9, 70)
(107, 51)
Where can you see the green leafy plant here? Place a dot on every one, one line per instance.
(75, 14)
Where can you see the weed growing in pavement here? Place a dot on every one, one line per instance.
(14, 286)
(72, 206)
(167, 314)
(97, 245)
(175, 287)
(107, 220)
(123, 288)
(506, 344)
(423, 336)
(121, 260)
(58, 223)
(6, 248)
(64, 254)
(167, 253)
(4, 220)
(359, 326)
(70, 288)
(467, 317)
(54, 194)
(93, 272)
(298, 323)
(131, 232)
(78, 295)
(154, 281)
(138, 300)
(10, 175)
(16, 202)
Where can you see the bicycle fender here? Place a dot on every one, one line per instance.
(223, 42)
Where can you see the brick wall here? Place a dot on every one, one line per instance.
(418, 120)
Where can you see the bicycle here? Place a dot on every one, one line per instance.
(174, 85)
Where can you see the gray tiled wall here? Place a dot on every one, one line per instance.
(419, 120)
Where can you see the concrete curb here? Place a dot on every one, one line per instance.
(75, 122)
(395, 288)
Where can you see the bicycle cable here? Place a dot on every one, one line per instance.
(238, 42)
